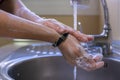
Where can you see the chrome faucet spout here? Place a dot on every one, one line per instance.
(106, 28)
(104, 38)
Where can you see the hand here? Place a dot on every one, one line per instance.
(76, 55)
(62, 28)
(54, 24)
(90, 62)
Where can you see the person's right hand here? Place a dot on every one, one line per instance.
(75, 54)
(62, 28)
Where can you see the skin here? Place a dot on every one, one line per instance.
(19, 22)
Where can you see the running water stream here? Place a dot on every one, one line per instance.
(75, 28)
(95, 50)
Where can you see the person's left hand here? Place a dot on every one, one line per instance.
(62, 28)
(76, 55)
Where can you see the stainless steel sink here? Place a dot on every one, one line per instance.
(54, 67)
(48, 68)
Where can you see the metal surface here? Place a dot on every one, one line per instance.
(56, 68)
(104, 38)
(43, 62)
(25, 64)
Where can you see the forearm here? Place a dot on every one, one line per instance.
(59, 27)
(16, 27)
(24, 12)
(28, 14)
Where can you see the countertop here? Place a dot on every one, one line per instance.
(9, 48)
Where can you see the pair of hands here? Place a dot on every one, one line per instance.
(71, 49)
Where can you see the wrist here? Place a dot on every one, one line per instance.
(60, 40)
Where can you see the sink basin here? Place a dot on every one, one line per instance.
(49, 68)
(56, 68)
(48, 64)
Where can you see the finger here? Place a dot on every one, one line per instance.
(89, 65)
(98, 57)
(81, 36)
(95, 66)
(90, 37)
(78, 35)
(93, 58)
(62, 30)
(99, 64)
(87, 37)
(85, 65)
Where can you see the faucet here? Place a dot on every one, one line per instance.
(103, 39)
